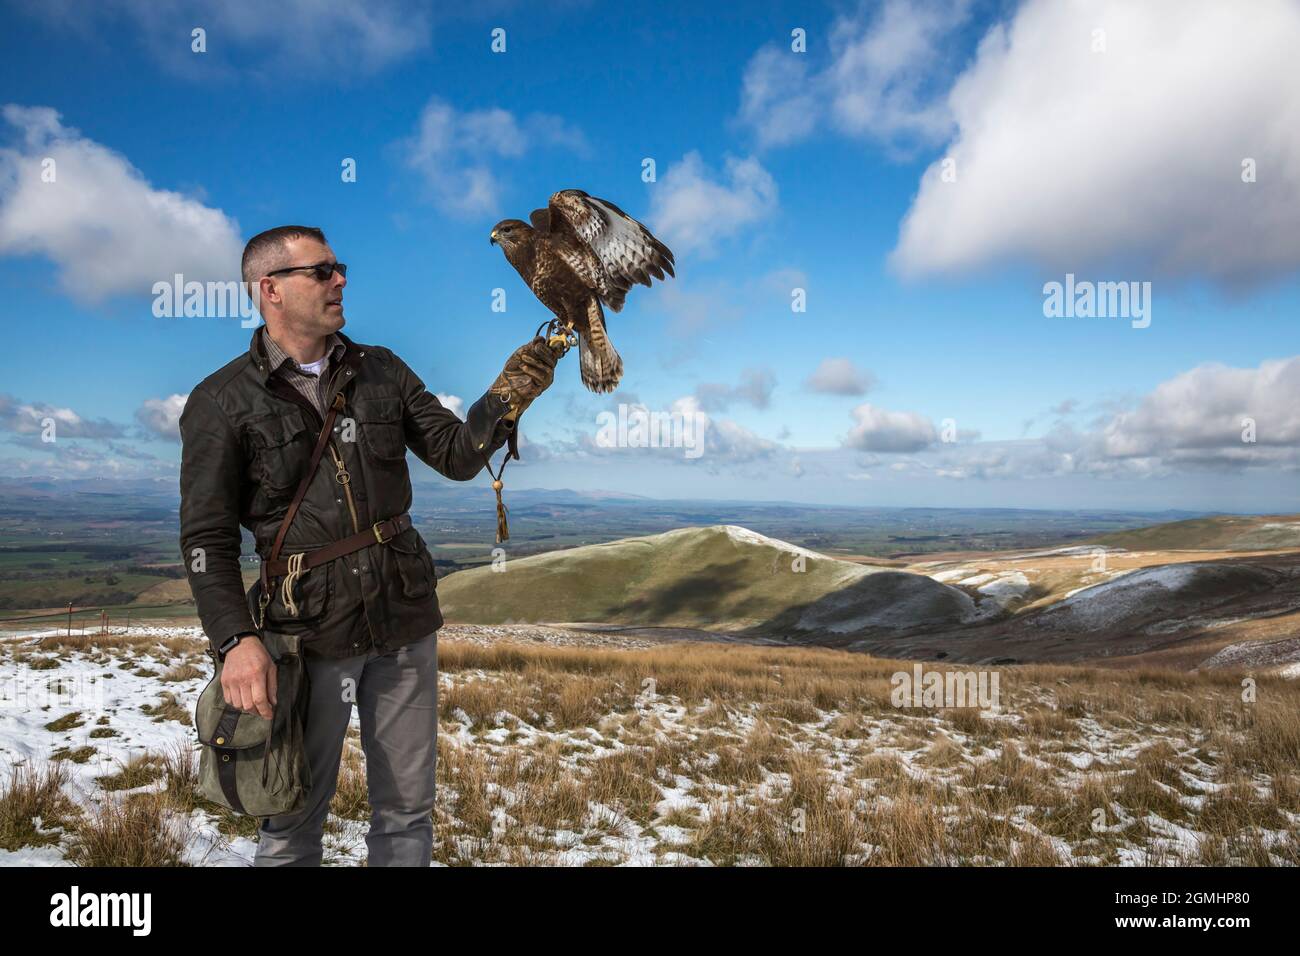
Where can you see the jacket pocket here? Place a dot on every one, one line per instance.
(414, 564)
(282, 449)
(311, 597)
(379, 420)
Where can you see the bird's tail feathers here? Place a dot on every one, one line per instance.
(600, 365)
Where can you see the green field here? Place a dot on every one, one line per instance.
(115, 544)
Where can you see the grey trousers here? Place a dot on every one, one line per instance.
(396, 694)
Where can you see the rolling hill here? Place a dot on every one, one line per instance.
(1221, 533)
(724, 578)
(1050, 605)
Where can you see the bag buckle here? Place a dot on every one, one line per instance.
(379, 536)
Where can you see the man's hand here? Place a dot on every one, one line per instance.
(529, 371)
(248, 677)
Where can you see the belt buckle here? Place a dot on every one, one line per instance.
(379, 537)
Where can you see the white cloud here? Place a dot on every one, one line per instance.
(879, 429)
(1128, 158)
(883, 80)
(1202, 413)
(755, 388)
(839, 376)
(693, 211)
(453, 403)
(454, 151)
(777, 98)
(29, 418)
(1187, 424)
(107, 229)
(293, 36)
(683, 433)
(162, 416)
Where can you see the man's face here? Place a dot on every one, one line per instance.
(306, 305)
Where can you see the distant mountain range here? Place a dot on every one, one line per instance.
(1221, 533)
(1058, 604)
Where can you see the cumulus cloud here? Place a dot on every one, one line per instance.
(1209, 417)
(880, 429)
(692, 210)
(839, 376)
(314, 36)
(1206, 412)
(100, 221)
(454, 151)
(453, 403)
(682, 433)
(882, 81)
(29, 418)
(161, 416)
(1130, 158)
(755, 388)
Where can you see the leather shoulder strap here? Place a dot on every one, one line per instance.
(301, 493)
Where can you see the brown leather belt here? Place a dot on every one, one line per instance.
(381, 532)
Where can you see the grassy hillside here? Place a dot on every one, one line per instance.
(1223, 533)
(722, 577)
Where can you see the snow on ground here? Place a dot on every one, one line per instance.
(1004, 587)
(745, 536)
(1284, 654)
(1104, 605)
(99, 705)
(110, 689)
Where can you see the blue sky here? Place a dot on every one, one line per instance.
(775, 169)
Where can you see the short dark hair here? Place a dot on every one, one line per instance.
(264, 250)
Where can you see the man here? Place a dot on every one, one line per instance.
(368, 619)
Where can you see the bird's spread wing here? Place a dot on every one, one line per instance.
(626, 250)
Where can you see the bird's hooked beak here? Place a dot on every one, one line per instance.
(492, 239)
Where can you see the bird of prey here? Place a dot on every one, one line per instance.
(580, 252)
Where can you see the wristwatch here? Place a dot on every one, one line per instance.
(228, 646)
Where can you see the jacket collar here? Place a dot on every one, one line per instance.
(351, 357)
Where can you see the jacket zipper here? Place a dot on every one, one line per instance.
(343, 478)
(341, 469)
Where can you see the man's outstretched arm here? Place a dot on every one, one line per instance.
(459, 450)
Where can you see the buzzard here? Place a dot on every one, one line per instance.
(580, 252)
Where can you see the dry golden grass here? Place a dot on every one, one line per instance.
(183, 671)
(351, 799)
(139, 771)
(737, 755)
(32, 794)
(136, 832)
(796, 757)
(169, 708)
(117, 643)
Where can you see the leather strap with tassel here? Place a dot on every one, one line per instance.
(512, 450)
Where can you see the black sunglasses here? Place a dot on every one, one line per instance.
(321, 271)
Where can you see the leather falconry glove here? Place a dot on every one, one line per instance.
(528, 372)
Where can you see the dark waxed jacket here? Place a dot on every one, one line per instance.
(247, 438)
